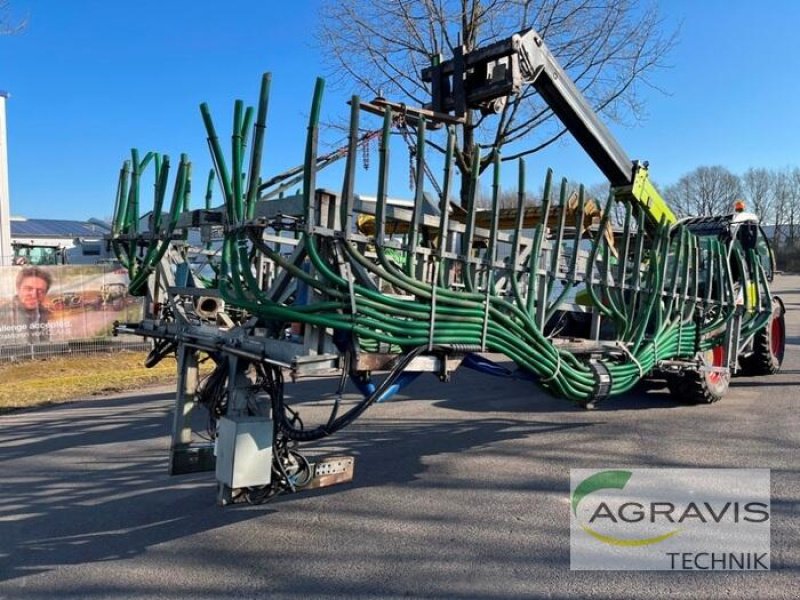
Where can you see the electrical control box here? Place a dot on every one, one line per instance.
(244, 451)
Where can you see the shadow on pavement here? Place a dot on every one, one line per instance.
(88, 482)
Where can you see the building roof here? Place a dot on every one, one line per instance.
(58, 228)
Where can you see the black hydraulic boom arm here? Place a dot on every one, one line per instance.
(484, 78)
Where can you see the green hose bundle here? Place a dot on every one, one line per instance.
(127, 238)
(664, 292)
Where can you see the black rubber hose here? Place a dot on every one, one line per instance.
(301, 435)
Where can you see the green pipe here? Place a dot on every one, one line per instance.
(538, 238)
(209, 189)
(236, 163)
(419, 198)
(219, 161)
(348, 187)
(309, 169)
(254, 173)
(383, 179)
(569, 284)
(444, 206)
(469, 229)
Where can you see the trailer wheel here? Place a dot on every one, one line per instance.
(769, 345)
(701, 387)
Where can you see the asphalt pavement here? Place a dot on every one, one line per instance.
(461, 491)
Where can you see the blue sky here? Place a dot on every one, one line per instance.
(89, 79)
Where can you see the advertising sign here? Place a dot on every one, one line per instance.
(670, 519)
(63, 303)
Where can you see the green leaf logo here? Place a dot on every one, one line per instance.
(616, 480)
(603, 480)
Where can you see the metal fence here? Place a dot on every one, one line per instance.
(73, 347)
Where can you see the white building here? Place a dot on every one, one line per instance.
(59, 241)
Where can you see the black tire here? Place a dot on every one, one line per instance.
(769, 345)
(701, 387)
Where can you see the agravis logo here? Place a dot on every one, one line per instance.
(706, 519)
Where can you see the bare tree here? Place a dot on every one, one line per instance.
(8, 23)
(781, 189)
(609, 47)
(705, 191)
(756, 185)
(793, 205)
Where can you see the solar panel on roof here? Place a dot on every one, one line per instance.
(61, 228)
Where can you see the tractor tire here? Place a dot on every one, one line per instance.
(701, 387)
(769, 345)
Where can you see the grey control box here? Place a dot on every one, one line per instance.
(244, 451)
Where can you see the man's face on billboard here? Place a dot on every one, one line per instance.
(31, 292)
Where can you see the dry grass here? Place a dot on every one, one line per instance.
(48, 381)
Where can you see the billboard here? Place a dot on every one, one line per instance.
(63, 303)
